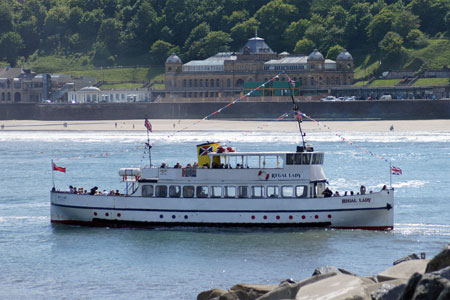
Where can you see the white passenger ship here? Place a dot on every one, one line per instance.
(230, 188)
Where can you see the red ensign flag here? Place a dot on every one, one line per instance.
(60, 169)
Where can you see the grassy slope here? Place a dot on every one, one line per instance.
(434, 56)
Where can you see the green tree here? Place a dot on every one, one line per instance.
(196, 34)
(431, 14)
(109, 33)
(357, 22)
(29, 32)
(242, 32)
(404, 22)
(380, 25)
(334, 51)
(214, 42)
(102, 57)
(161, 50)
(235, 18)
(274, 18)
(317, 34)
(6, 18)
(10, 45)
(294, 32)
(391, 46)
(337, 16)
(304, 46)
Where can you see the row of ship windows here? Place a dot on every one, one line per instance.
(202, 191)
(304, 159)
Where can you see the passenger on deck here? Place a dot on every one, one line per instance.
(384, 188)
(163, 165)
(351, 193)
(71, 189)
(327, 192)
(117, 193)
(177, 166)
(336, 194)
(93, 190)
(195, 165)
(215, 165)
(362, 190)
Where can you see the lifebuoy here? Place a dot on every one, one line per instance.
(263, 175)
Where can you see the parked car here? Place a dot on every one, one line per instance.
(386, 97)
(329, 99)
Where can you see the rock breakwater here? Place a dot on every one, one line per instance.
(410, 278)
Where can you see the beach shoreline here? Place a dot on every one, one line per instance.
(228, 125)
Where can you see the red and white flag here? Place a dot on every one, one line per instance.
(60, 169)
(148, 125)
(396, 171)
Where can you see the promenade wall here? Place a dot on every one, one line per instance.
(400, 110)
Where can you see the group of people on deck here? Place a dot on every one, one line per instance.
(93, 191)
(214, 165)
(362, 191)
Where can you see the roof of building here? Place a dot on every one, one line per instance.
(8, 72)
(173, 59)
(215, 60)
(256, 45)
(90, 89)
(315, 55)
(294, 60)
(344, 55)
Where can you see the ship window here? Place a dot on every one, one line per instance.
(272, 191)
(317, 159)
(202, 192)
(243, 192)
(258, 192)
(230, 192)
(290, 159)
(161, 191)
(216, 191)
(300, 191)
(147, 191)
(287, 191)
(174, 191)
(188, 191)
(306, 158)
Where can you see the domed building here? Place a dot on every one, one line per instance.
(227, 75)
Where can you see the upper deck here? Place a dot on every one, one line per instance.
(302, 167)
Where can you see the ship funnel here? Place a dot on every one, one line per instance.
(202, 152)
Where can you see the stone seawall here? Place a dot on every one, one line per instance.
(385, 110)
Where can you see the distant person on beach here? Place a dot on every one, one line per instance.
(391, 128)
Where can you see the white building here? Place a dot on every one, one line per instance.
(92, 94)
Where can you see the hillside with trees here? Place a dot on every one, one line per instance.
(51, 35)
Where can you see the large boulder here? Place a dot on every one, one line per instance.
(427, 286)
(403, 270)
(330, 269)
(211, 294)
(251, 291)
(440, 261)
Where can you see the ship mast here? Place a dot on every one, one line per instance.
(296, 113)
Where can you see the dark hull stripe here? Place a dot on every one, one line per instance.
(220, 211)
(134, 224)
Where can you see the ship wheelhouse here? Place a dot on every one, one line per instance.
(230, 174)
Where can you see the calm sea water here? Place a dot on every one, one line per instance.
(42, 261)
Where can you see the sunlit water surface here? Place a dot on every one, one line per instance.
(41, 261)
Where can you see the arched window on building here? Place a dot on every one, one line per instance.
(206, 82)
(228, 82)
(320, 80)
(212, 82)
(195, 82)
(239, 83)
(328, 81)
(3, 96)
(217, 83)
(8, 97)
(312, 66)
(312, 81)
(190, 82)
(201, 82)
(184, 82)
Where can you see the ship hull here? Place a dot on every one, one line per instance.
(372, 212)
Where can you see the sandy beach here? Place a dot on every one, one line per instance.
(227, 125)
